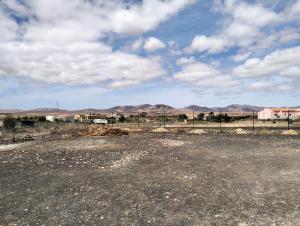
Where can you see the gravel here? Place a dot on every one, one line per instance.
(141, 179)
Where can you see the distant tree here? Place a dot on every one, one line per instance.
(227, 118)
(200, 116)
(122, 118)
(143, 114)
(9, 122)
(211, 117)
(182, 117)
(25, 118)
(41, 118)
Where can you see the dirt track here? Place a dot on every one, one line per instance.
(152, 179)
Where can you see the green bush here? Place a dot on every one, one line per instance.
(9, 122)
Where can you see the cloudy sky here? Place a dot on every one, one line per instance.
(99, 53)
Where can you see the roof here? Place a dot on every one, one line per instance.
(285, 109)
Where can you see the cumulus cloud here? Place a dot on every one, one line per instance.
(203, 75)
(244, 26)
(153, 44)
(76, 63)
(282, 62)
(59, 41)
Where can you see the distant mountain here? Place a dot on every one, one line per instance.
(141, 108)
(148, 108)
(238, 108)
(198, 108)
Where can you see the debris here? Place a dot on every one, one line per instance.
(28, 137)
(103, 131)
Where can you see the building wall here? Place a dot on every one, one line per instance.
(265, 114)
(278, 114)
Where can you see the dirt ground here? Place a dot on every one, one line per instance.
(152, 179)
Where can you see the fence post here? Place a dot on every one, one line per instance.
(253, 120)
(220, 122)
(288, 119)
(193, 120)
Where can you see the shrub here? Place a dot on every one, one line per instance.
(9, 122)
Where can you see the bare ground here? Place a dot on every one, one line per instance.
(152, 179)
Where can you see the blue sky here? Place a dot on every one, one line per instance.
(97, 54)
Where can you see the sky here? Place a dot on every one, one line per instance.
(98, 53)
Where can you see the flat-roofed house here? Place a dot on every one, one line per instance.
(278, 113)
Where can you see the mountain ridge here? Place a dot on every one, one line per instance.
(148, 108)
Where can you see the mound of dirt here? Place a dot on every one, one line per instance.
(197, 131)
(104, 131)
(132, 129)
(160, 130)
(240, 131)
(289, 132)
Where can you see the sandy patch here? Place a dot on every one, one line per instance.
(240, 131)
(160, 130)
(171, 143)
(197, 131)
(9, 147)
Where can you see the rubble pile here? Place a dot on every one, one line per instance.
(103, 131)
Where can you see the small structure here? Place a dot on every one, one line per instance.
(80, 118)
(50, 118)
(100, 121)
(278, 113)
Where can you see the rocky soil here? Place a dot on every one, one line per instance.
(152, 179)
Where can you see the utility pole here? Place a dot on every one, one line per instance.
(220, 122)
(253, 120)
(164, 119)
(288, 119)
(193, 120)
(57, 104)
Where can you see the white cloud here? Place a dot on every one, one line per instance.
(278, 62)
(153, 44)
(59, 42)
(244, 26)
(203, 43)
(268, 86)
(137, 44)
(204, 75)
(8, 28)
(76, 63)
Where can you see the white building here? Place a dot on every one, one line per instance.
(50, 118)
(100, 121)
(278, 113)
